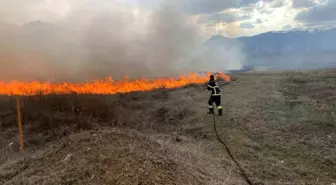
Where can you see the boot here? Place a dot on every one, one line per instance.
(220, 112)
(210, 111)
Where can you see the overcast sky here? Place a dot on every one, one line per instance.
(227, 17)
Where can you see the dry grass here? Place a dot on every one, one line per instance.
(175, 158)
(108, 157)
(280, 126)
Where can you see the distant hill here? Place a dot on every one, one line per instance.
(269, 43)
(39, 28)
(285, 49)
(288, 49)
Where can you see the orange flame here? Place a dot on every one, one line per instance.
(107, 86)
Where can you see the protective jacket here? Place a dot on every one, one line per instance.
(213, 86)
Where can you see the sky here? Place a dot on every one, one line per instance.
(230, 18)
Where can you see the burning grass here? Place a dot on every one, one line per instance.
(107, 86)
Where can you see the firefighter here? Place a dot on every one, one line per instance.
(215, 97)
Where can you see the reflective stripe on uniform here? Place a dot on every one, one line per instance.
(216, 95)
(215, 90)
(213, 86)
(210, 106)
(219, 107)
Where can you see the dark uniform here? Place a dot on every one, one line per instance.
(215, 97)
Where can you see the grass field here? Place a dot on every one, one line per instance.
(281, 127)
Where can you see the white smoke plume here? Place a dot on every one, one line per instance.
(86, 40)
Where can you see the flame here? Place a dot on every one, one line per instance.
(107, 86)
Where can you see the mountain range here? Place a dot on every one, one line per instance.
(281, 49)
(286, 49)
(290, 42)
(269, 43)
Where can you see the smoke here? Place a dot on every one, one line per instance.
(96, 39)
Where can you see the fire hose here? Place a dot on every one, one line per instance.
(242, 171)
